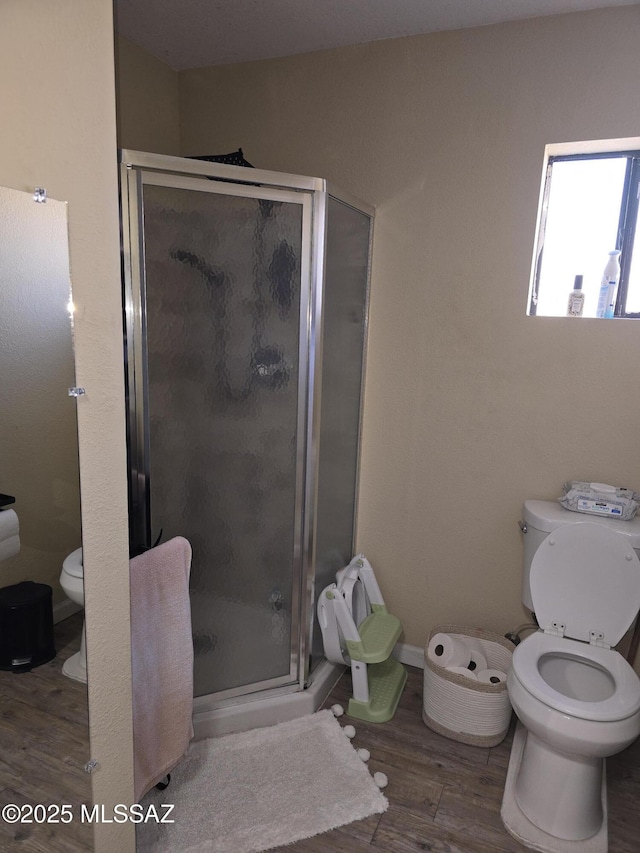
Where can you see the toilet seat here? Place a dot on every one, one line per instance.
(585, 583)
(623, 703)
(72, 564)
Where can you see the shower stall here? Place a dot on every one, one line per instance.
(246, 317)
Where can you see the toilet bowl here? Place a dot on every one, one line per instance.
(72, 582)
(576, 698)
(577, 709)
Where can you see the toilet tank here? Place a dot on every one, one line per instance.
(541, 517)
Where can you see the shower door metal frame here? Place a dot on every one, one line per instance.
(137, 169)
(257, 183)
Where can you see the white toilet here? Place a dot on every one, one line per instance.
(577, 699)
(72, 582)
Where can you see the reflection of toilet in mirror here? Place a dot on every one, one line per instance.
(72, 582)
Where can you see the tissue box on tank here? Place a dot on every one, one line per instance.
(26, 626)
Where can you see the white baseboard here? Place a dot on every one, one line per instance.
(411, 655)
(64, 609)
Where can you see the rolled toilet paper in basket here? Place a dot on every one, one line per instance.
(477, 660)
(462, 670)
(9, 534)
(491, 676)
(445, 650)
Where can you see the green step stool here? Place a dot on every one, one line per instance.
(358, 630)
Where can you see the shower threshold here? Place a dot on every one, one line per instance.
(255, 712)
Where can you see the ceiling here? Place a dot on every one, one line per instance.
(195, 33)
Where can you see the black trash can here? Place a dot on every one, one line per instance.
(26, 626)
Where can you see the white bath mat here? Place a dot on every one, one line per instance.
(257, 790)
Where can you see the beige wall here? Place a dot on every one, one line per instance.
(147, 107)
(471, 407)
(58, 131)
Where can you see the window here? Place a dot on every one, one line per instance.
(588, 207)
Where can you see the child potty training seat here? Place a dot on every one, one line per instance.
(358, 630)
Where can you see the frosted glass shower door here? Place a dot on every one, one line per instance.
(345, 307)
(226, 282)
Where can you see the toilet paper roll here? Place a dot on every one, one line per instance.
(491, 676)
(9, 534)
(445, 650)
(477, 661)
(462, 670)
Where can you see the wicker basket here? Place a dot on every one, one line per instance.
(464, 710)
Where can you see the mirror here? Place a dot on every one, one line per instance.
(38, 426)
(44, 713)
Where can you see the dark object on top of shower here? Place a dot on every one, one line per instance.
(234, 158)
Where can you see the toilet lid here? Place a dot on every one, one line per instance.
(586, 577)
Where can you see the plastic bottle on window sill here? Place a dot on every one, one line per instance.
(609, 286)
(575, 306)
(613, 286)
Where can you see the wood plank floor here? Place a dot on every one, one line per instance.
(44, 745)
(445, 796)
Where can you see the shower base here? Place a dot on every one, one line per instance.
(254, 712)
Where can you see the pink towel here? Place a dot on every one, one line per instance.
(161, 661)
